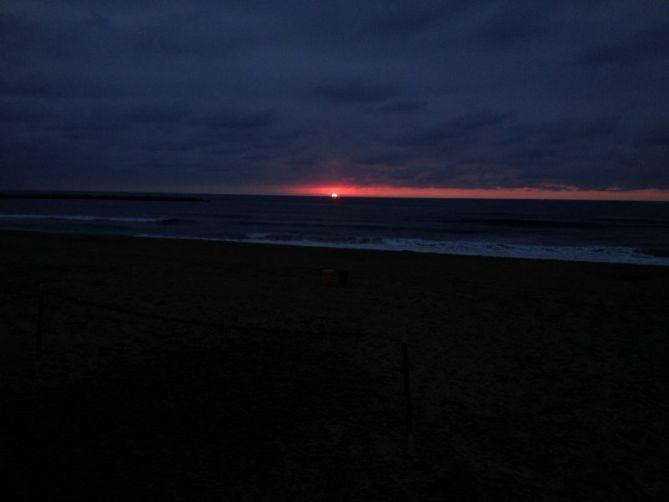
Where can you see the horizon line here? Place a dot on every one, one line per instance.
(532, 194)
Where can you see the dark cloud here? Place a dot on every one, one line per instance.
(464, 127)
(646, 45)
(401, 106)
(385, 158)
(65, 86)
(168, 113)
(568, 131)
(511, 25)
(237, 120)
(22, 112)
(414, 18)
(190, 36)
(353, 91)
(658, 136)
(464, 93)
(17, 33)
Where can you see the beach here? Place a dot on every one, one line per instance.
(200, 370)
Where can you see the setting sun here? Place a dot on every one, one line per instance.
(334, 195)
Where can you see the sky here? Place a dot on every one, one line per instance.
(455, 98)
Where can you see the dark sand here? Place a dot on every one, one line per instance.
(532, 380)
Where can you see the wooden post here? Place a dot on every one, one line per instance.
(407, 399)
(39, 327)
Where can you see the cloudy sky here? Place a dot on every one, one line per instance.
(378, 96)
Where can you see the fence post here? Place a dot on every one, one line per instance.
(407, 400)
(40, 325)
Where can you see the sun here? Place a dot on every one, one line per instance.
(334, 195)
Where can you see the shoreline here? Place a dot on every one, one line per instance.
(661, 263)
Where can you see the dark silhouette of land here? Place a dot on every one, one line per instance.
(531, 380)
(98, 196)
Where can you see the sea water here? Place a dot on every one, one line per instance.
(622, 232)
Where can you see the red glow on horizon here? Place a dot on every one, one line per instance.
(566, 193)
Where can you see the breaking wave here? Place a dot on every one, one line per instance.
(605, 254)
(539, 223)
(87, 219)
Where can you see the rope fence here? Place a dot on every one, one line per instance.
(39, 338)
(43, 295)
(192, 322)
(42, 305)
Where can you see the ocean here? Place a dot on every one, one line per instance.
(602, 231)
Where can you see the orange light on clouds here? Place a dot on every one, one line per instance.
(564, 193)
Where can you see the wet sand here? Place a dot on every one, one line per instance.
(532, 380)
